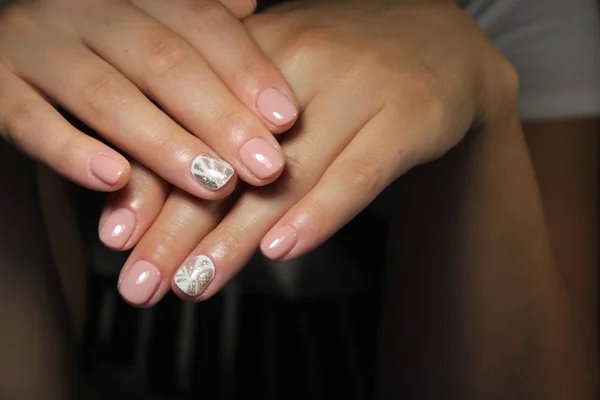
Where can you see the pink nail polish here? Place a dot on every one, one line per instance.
(276, 107)
(117, 228)
(278, 243)
(139, 283)
(261, 158)
(106, 169)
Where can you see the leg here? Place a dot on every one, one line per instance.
(475, 305)
(36, 350)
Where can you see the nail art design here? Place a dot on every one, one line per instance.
(211, 171)
(195, 275)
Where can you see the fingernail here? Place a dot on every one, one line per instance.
(195, 275)
(276, 107)
(139, 283)
(211, 171)
(106, 169)
(117, 228)
(278, 243)
(262, 159)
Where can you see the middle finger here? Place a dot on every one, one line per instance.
(173, 74)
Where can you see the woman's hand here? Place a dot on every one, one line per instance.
(383, 85)
(125, 68)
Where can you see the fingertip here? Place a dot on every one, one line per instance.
(279, 242)
(240, 8)
(139, 283)
(110, 170)
(264, 160)
(278, 109)
(116, 228)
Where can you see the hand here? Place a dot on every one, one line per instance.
(104, 61)
(383, 85)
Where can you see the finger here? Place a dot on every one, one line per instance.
(130, 211)
(222, 40)
(102, 98)
(239, 8)
(231, 244)
(184, 220)
(35, 127)
(349, 185)
(172, 73)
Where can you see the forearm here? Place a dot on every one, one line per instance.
(476, 306)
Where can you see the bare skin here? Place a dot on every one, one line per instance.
(36, 349)
(487, 296)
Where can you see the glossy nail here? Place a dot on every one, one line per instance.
(262, 159)
(278, 243)
(195, 275)
(117, 229)
(211, 171)
(139, 283)
(276, 107)
(106, 169)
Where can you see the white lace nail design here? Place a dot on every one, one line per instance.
(211, 171)
(195, 275)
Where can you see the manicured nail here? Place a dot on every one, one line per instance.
(195, 275)
(211, 171)
(261, 158)
(117, 228)
(139, 283)
(106, 169)
(278, 243)
(276, 107)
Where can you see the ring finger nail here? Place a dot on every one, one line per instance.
(195, 275)
(262, 159)
(211, 171)
(276, 107)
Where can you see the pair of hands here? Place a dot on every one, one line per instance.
(382, 86)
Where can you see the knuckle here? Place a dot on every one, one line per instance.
(165, 56)
(66, 152)
(102, 92)
(165, 242)
(231, 238)
(362, 174)
(166, 150)
(235, 121)
(509, 79)
(17, 122)
(422, 86)
(309, 45)
(18, 19)
(206, 16)
(252, 71)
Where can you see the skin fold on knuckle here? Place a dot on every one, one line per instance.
(164, 243)
(362, 175)
(165, 56)
(206, 17)
(102, 94)
(17, 123)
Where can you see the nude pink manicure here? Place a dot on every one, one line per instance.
(139, 283)
(106, 169)
(278, 243)
(117, 228)
(261, 158)
(276, 107)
